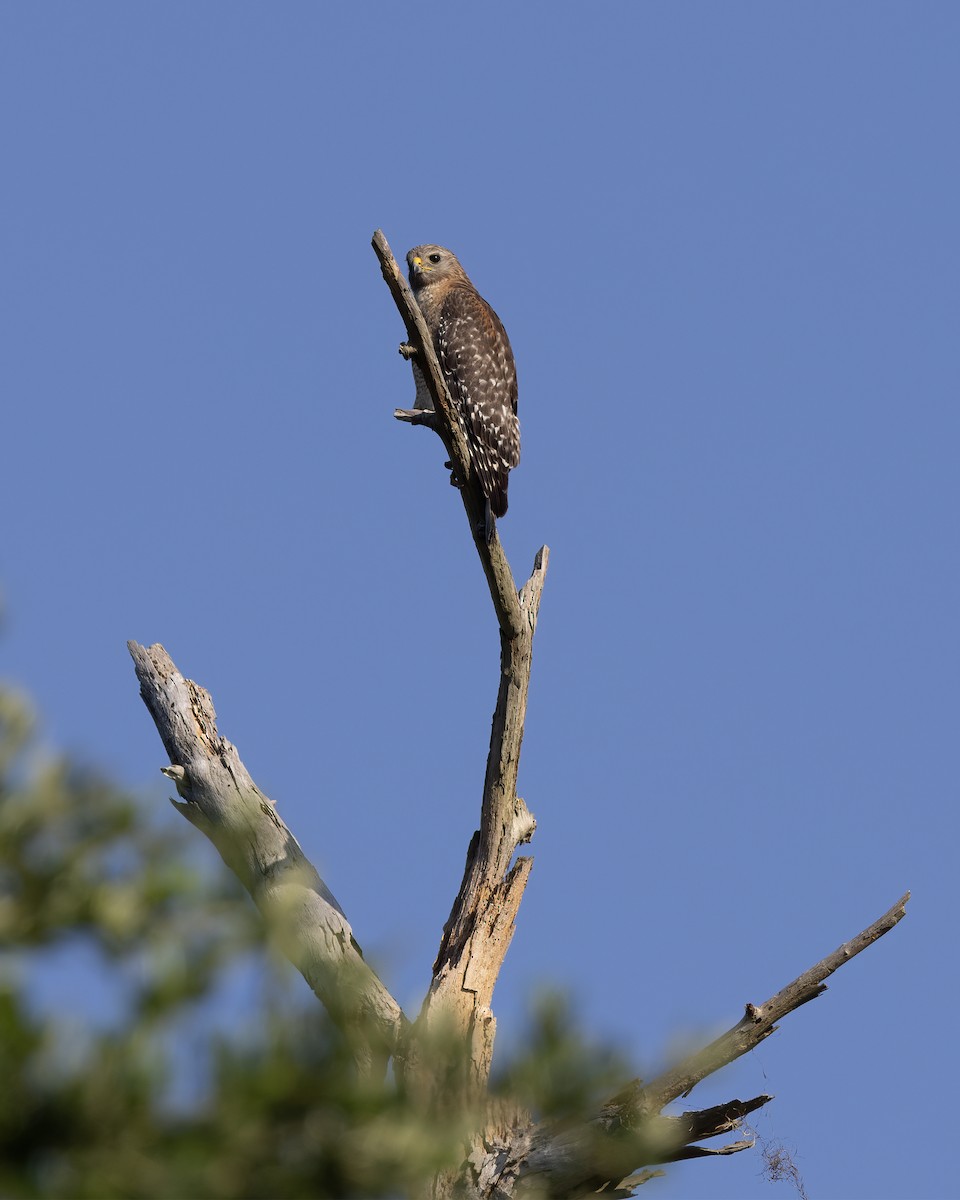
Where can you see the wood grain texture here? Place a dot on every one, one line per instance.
(218, 796)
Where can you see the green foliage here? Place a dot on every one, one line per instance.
(79, 858)
(276, 1108)
(96, 1110)
(557, 1074)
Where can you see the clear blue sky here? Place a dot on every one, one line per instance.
(724, 240)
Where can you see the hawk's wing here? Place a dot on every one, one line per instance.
(476, 357)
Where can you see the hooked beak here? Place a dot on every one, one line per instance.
(417, 268)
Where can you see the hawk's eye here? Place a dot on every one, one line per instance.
(434, 258)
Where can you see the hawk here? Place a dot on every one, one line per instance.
(477, 362)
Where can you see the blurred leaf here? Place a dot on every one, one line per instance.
(147, 1107)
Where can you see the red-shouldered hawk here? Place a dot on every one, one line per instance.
(474, 352)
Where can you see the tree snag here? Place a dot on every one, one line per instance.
(442, 1059)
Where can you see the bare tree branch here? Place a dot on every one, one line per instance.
(757, 1023)
(444, 1058)
(420, 346)
(505, 822)
(443, 421)
(478, 932)
(224, 803)
(712, 1122)
(630, 1132)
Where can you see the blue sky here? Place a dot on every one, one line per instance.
(723, 238)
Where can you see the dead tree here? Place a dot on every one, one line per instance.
(443, 1057)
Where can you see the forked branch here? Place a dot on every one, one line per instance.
(508, 1155)
(631, 1130)
(480, 927)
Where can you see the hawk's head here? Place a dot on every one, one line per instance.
(430, 264)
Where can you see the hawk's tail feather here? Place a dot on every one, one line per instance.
(498, 501)
(494, 477)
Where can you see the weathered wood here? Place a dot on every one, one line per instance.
(480, 927)
(444, 1058)
(757, 1023)
(478, 932)
(631, 1130)
(220, 798)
